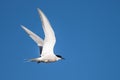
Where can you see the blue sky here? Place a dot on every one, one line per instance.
(88, 36)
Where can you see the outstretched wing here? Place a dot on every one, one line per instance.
(35, 37)
(50, 39)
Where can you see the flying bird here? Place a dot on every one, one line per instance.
(47, 45)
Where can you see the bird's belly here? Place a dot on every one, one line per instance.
(49, 60)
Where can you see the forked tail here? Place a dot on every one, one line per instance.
(31, 60)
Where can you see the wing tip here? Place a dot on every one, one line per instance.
(23, 27)
(39, 11)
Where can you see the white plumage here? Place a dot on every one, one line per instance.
(46, 45)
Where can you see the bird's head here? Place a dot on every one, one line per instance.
(59, 57)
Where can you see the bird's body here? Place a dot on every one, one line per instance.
(45, 59)
(47, 45)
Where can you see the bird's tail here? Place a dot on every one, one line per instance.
(31, 60)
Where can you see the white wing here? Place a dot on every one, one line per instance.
(50, 39)
(35, 37)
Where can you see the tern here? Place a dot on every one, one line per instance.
(47, 45)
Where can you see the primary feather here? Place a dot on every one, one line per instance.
(50, 38)
(35, 37)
